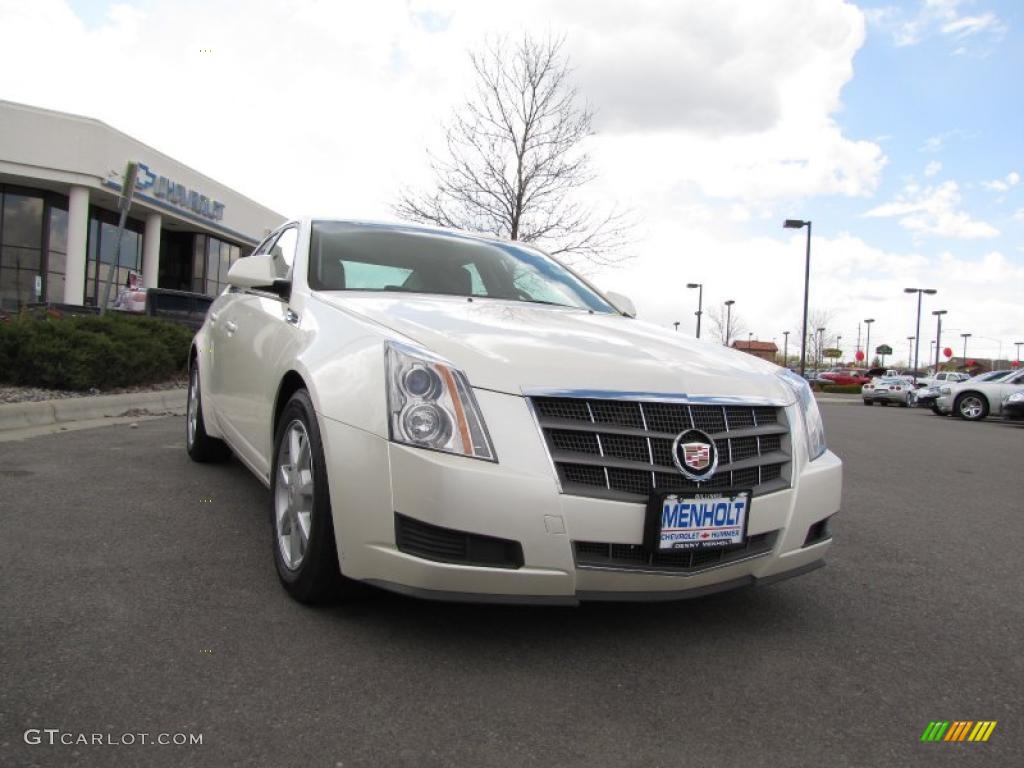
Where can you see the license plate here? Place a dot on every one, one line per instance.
(699, 520)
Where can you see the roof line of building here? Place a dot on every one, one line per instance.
(107, 126)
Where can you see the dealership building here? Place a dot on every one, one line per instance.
(60, 183)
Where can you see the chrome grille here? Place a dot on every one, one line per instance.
(595, 554)
(622, 449)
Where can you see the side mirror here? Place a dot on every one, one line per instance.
(621, 303)
(257, 271)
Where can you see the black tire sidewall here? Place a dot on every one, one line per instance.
(203, 448)
(317, 576)
(959, 402)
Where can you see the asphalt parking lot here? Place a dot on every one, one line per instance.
(140, 596)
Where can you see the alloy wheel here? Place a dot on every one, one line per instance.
(293, 500)
(971, 407)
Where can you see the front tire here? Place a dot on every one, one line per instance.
(200, 446)
(305, 549)
(936, 411)
(971, 406)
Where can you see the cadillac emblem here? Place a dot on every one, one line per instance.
(695, 454)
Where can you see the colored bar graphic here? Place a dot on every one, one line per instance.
(958, 730)
(935, 730)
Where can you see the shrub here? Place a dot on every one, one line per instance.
(841, 389)
(82, 352)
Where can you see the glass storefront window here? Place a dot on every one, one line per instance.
(58, 230)
(23, 220)
(55, 287)
(21, 256)
(199, 264)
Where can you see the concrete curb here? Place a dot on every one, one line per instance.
(46, 412)
(838, 399)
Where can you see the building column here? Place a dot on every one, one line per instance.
(151, 251)
(78, 237)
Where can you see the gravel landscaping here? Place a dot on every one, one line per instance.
(11, 394)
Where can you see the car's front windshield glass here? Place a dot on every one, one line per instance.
(991, 376)
(366, 257)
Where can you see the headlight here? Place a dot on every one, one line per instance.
(431, 405)
(814, 427)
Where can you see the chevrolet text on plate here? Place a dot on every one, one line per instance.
(462, 418)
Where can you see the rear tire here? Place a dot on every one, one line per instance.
(936, 411)
(868, 403)
(200, 446)
(305, 548)
(971, 406)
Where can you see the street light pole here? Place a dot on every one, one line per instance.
(965, 337)
(1018, 344)
(676, 324)
(821, 344)
(938, 336)
(700, 302)
(840, 349)
(728, 320)
(910, 348)
(917, 340)
(797, 224)
(785, 350)
(867, 344)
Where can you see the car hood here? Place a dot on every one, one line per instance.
(512, 347)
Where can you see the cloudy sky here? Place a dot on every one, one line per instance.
(897, 127)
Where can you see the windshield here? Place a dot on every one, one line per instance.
(991, 376)
(366, 257)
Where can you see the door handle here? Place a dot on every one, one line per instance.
(213, 317)
(291, 316)
(231, 325)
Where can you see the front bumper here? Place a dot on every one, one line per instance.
(518, 499)
(944, 403)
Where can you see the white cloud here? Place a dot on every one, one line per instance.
(933, 211)
(1019, 214)
(731, 100)
(932, 168)
(965, 26)
(849, 277)
(329, 107)
(938, 18)
(1011, 179)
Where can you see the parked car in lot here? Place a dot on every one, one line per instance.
(456, 417)
(846, 376)
(943, 377)
(926, 396)
(1013, 406)
(888, 389)
(974, 400)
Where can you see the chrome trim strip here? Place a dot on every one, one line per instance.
(658, 397)
(544, 444)
(600, 448)
(660, 572)
(650, 450)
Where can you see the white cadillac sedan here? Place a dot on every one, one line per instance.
(461, 418)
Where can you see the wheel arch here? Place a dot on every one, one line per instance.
(291, 382)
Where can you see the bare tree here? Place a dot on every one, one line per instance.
(726, 327)
(513, 159)
(817, 342)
